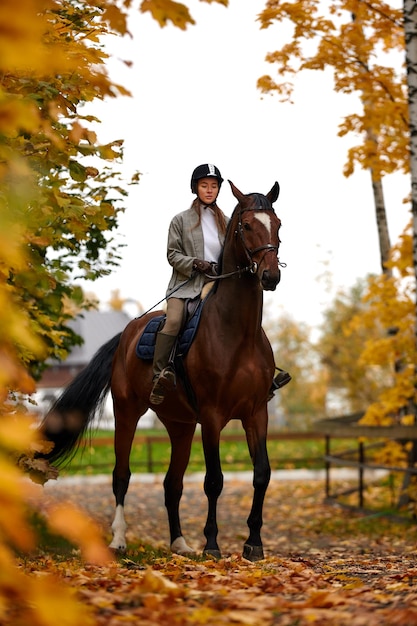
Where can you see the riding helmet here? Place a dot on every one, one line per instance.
(207, 170)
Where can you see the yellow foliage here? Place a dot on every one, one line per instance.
(164, 11)
(408, 420)
(22, 38)
(48, 599)
(116, 301)
(16, 432)
(358, 46)
(391, 309)
(392, 454)
(13, 494)
(47, 68)
(155, 582)
(70, 522)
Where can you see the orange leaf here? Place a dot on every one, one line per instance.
(73, 524)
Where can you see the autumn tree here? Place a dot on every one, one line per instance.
(60, 198)
(356, 40)
(58, 185)
(364, 44)
(303, 400)
(355, 383)
(328, 375)
(389, 304)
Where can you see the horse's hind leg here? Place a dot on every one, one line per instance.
(181, 436)
(126, 416)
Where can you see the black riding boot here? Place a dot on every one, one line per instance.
(281, 379)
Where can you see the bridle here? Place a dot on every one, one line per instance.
(252, 265)
(250, 252)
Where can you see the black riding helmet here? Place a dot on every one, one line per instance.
(207, 170)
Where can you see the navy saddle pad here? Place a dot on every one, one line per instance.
(146, 345)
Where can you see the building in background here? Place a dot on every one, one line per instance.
(96, 328)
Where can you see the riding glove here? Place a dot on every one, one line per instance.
(204, 267)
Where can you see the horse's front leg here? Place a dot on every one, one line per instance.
(181, 436)
(213, 485)
(253, 549)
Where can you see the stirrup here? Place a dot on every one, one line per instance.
(165, 381)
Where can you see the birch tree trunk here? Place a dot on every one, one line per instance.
(377, 189)
(410, 29)
(382, 224)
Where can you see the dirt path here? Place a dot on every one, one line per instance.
(323, 565)
(295, 519)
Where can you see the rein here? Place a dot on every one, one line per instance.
(165, 297)
(252, 268)
(240, 270)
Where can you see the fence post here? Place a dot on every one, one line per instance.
(361, 471)
(327, 466)
(149, 462)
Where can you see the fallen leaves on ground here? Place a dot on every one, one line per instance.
(324, 565)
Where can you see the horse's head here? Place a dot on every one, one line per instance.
(256, 227)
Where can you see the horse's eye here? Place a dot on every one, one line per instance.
(246, 226)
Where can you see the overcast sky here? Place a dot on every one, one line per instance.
(195, 101)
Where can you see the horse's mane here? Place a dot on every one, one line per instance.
(261, 201)
(220, 259)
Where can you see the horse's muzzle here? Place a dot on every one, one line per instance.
(270, 280)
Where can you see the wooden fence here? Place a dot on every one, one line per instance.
(150, 441)
(368, 438)
(356, 458)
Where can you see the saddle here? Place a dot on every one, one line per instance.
(145, 347)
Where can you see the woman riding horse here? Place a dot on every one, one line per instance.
(229, 367)
(195, 239)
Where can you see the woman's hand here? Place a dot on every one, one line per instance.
(203, 267)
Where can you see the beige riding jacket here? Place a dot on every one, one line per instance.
(186, 243)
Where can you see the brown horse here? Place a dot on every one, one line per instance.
(230, 368)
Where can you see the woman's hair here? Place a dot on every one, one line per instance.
(218, 215)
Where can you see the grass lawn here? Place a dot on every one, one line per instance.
(151, 453)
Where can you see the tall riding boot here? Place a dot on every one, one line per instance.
(281, 379)
(164, 375)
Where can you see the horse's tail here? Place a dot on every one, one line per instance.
(72, 413)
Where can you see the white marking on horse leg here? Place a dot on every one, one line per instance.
(265, 219)
(179, 546)
(119, 529)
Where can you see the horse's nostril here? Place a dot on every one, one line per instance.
(270, 279)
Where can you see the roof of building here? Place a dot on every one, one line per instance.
(96, 328)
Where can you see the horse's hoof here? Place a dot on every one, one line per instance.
(253, 553)
(118, 546)
(179, 546)
(216, 554)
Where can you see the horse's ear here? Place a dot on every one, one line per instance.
(238, 194)
(274, 193)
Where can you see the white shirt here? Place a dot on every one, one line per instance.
(212, 244)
